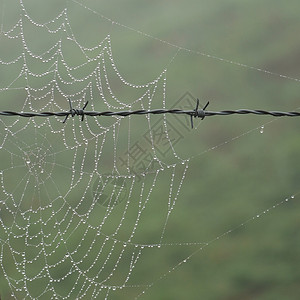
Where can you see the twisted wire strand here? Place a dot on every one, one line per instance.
(200, 113)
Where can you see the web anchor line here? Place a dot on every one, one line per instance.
(195, 113)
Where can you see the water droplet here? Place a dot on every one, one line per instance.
(262, 129)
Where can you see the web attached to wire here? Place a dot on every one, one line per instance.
(73, 195)
(82, 203)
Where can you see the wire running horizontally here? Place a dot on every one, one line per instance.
(200, 113)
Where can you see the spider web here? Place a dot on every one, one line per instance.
(83, 204)
(72, 197)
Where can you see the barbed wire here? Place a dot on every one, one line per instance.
(195, 113)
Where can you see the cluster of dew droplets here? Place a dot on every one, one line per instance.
(262, 129)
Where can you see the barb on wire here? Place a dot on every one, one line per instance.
(198, 113)
(75, 112)
(195, 113)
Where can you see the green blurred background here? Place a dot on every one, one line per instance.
(235, 172)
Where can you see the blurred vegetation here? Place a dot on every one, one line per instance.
(233, 175)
